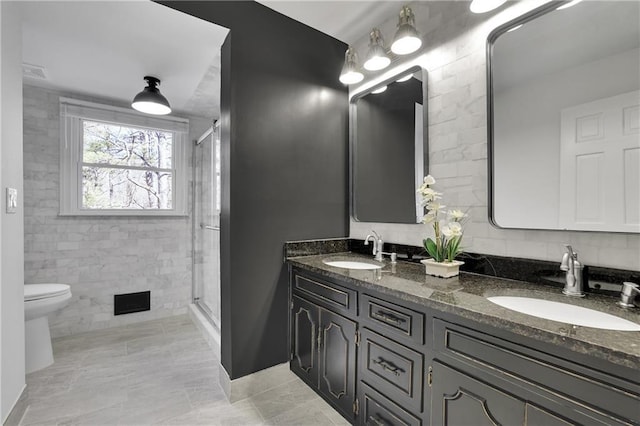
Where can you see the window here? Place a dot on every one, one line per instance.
(117, 162)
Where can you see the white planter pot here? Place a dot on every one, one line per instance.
(442, 269)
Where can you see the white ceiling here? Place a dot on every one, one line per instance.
(346, 20)
(105, 48)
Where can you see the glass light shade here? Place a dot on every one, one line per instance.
(377, 57)
(482, 6)
(350, 73)
(407, 39)
(150, 100)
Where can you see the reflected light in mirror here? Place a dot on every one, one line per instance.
(568, 5)
(380, 90)
(405, 78)
(482, 6)
(517, 27)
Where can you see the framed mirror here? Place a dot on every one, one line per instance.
(389, 153)
(564, 118)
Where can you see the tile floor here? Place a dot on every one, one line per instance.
(160, 372)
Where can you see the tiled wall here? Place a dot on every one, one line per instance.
(454, 55)
(97, 256)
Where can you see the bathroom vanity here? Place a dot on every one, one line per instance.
(392, 346)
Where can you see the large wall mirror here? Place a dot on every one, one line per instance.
(564, 118)
(389, 149)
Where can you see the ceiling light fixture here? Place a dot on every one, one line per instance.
(482, 6)
(379, 90)
(405, 78)
(377, 58)
(407, 39)
(350, 73)
(150, 100)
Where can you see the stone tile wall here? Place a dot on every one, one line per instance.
(454, 53)
(97, 256)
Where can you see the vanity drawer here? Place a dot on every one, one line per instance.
(392, 369)
(543, 373)
(376, 410)
(392, 320)
(330, 295)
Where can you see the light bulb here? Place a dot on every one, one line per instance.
(482, 6)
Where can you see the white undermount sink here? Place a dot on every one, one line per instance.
(351, 264)
(565, 313)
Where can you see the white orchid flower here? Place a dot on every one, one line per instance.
(435, 207)
(457, 215)
(429, 180)
(428, 218)
(455, 228)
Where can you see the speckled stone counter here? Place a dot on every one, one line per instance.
(466, 295)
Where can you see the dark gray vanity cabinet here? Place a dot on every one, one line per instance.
(381, 360)
(323, 339)
(478, 378)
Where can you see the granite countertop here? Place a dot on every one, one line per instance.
(466, 295)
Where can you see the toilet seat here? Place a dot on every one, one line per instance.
(44, 291)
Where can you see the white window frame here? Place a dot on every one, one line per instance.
(72, 114)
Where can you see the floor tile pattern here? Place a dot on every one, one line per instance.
(159, 372)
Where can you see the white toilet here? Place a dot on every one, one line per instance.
(40, 300)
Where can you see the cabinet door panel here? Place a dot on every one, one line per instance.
(337, 360)
(304, 326)
(461, 400)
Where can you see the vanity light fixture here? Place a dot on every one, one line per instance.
(407, 39)
(350, 73)
(150, 100)
(379, 90)
(482, 6)
(377, 58)
(405, 78)
(569, 4)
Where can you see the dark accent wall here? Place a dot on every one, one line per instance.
(284, 130)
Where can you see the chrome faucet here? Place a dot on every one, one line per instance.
(570, 264)
(378, 246)
(628, 294)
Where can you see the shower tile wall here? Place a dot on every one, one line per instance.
(97, 256)
(455, 58)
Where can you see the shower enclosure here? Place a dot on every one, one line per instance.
(206, 224)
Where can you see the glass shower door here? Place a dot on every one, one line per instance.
(206, 235)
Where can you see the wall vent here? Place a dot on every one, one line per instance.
(33, 71)
(131, 302)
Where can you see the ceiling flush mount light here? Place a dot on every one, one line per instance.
(482, 6)
(150, 100)
(407, 39)
(377, 58)
(350, 73)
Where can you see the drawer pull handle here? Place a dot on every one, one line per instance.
(388, 366)
(388, 318)
(376, 420)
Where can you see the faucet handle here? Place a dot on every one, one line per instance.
(627, 295)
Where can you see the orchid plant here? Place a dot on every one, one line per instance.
(447, 225)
